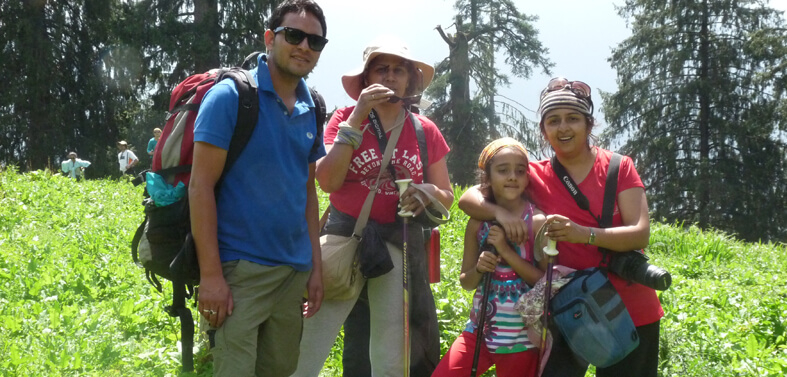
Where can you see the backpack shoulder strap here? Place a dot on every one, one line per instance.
(248, 113)
(610, 190)
(320, 113)
(319, 102)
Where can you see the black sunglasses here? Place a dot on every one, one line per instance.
(409, 100)
(295, 37)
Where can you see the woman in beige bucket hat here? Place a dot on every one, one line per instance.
(385, 86)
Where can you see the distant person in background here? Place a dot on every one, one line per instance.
(127, 160)
(154, 140)
(74, 167)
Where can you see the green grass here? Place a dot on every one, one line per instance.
(73, 303)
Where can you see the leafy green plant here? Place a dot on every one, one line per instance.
(73, 303)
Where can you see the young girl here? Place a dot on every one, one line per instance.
(503, 179)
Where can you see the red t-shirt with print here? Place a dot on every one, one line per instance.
(549, 194)
(366, 161)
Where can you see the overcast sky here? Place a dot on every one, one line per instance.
(578, 33)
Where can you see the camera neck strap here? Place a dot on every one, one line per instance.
(382, 139)
(610, 189)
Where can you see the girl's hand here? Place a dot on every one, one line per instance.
(514, 226)
(562, 229)
(497, 237)
(487, 262)
(370, 97)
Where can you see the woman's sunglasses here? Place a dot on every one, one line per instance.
(578, 87)
(295, 37)
(409, 100)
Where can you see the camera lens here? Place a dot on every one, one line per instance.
(634, 266)
(653, 276)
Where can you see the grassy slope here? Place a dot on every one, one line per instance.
(73, 303)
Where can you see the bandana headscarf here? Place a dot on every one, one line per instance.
(563, 99)
(496, 146)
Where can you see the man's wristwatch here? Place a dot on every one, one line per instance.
(592, 237)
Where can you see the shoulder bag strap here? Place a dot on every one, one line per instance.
(363, 217)
(610, 191)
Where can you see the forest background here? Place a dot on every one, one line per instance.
(699, 105)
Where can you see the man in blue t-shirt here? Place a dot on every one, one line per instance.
(258, 240)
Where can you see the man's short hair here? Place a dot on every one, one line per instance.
(297, 6)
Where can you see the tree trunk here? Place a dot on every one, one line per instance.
(37, 84)
(704, 121)
(461, 113)
(206, 35)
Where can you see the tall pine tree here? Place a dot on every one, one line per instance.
(468, 120)
(700, 84)
(62, 97)
(82, 74)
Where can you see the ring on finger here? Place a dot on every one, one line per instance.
(209, 311)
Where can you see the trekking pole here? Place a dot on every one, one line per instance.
(551, 251)
(403, 184)
(482, 312)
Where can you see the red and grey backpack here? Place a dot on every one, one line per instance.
(173, 155)
(163, 244)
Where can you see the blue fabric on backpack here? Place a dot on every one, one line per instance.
(593, 319)
(161, 192)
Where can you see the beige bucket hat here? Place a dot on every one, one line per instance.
(353, 80)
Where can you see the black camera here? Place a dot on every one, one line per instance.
(633, 266)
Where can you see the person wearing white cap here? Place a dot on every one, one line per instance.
(566, 111)
(388, 82)
(127, 160)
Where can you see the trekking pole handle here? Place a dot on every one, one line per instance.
(402, 185)
(551, 248)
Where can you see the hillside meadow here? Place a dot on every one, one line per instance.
(72, 302)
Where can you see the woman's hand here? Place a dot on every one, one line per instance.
(370, 97)
(561, 228)
(409, 202)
